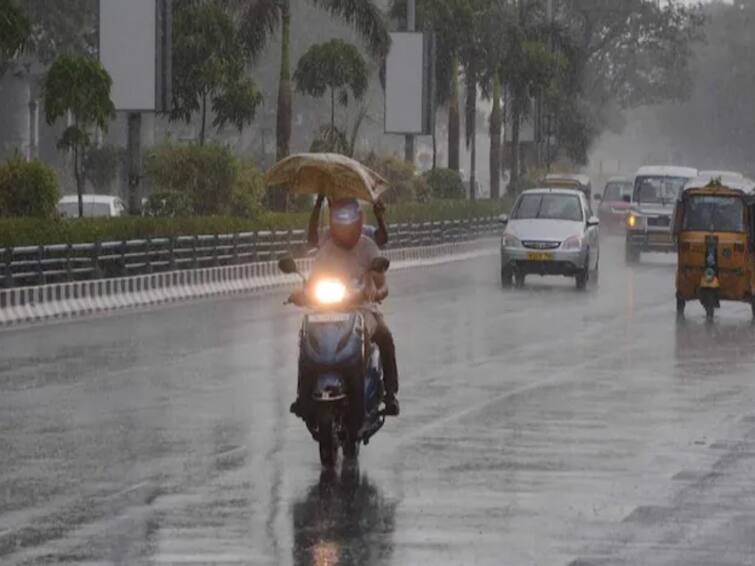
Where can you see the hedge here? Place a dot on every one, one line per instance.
(30, 231)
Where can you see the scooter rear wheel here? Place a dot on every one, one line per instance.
(328, 441)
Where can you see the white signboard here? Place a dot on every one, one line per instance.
(128, 50)
(405, 84)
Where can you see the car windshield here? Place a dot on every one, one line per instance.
(96, 209)
(549, 206)
(615, 192)
(714, 214)
(662, 190)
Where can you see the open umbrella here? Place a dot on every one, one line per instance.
(330, 174)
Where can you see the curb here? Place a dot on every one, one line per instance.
(78, 299)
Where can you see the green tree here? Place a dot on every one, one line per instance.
(208, 67)
(335, 66)
(14, 29)
(262, 18)
(79, 86)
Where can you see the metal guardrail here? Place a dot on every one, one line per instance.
(40, 265)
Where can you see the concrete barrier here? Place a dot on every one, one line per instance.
(57, 301)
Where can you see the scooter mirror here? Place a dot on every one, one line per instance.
(287, 265)
(380, 265)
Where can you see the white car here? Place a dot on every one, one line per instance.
(94, 206)
(550, 232)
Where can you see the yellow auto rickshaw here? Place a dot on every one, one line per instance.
(714, 225)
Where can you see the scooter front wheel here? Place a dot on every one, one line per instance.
(328, 440)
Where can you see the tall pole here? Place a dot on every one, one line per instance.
(134, 151)
(549, 114)
(411, 24)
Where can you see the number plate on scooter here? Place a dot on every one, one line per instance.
(326, 318)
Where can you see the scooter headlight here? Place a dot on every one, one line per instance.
(330, 292)
(710, 274)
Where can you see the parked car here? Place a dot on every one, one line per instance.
(615, 203)
(550, 232)
(654, 195)
(94, 206)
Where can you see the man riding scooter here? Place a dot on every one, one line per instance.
(348, 253)
(379, 234)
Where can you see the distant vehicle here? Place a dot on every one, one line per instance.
(654, 195)
(550, 232)
(615, 204)
(95, 206)
(569, 181)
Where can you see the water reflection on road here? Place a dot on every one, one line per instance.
(343, 520)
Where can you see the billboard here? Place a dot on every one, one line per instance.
(134, 47)
(408, 84)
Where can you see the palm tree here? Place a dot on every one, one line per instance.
(262, 18)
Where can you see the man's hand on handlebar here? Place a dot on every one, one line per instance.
(298, 298)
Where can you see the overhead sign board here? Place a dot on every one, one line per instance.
(134, 47)
(409, 84)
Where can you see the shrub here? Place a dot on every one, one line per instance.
(32, 231)
(168, 204)
(445, 184)
(248, 192)
(28, 189)
(207, 174)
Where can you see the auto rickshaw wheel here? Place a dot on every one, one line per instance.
(709, 302)
(632, 254)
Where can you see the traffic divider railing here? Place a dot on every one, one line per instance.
(55, 301)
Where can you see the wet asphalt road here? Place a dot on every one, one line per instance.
(541, 426)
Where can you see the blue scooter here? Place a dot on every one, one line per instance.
(340, 371)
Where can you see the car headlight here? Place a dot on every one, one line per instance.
(510, 241)
(634, 221)
(573, 243)
(330, 292)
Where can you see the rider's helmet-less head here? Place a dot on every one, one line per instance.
(346, 222)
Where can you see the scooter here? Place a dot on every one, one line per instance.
(340, 372)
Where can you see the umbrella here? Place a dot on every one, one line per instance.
(330, 174)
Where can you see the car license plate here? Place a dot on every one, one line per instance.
(540, 256)
(327, 318)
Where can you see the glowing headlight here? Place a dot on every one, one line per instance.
(330, 292)
(631, 221)
(510, 241)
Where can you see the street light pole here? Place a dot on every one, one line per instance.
(411, 24)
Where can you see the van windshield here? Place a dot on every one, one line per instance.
(658, 190)
(714, 214)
